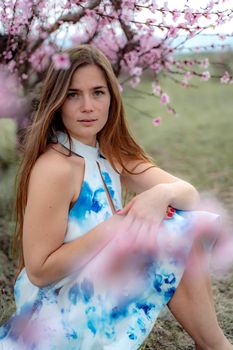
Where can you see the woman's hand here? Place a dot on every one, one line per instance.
(143, 216)
(148, 202)
(134, 245)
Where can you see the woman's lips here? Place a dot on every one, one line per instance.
(87, 121)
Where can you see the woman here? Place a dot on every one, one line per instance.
(77, 249)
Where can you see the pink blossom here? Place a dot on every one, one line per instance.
(210, 5)
(90, 13)
(24, 76)
(61, 61)
(176, 15)
(164, 99)
(190, 63)
(134, 81)
(156, 121)
(115, 14)
(103, 22)
(156, 88)
(153, 7)
(40, 58)
(67, 6)
(184, 82)
(188, 15)
(131, 59)
(136, 71)
(188, 75)
(128, 4)
(148, 41)
(207, 15)
(156, 67)
(127, 15)
(220, 20)
(204, 63)
(172, 32)
(11, 66)
(222, 37)
(205, 75)
(12, 104)
(151, 21)
(7, 55)
(225, 78)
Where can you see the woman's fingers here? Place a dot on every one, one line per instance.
(138, 235)
(134, 248)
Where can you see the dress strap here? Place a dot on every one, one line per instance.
(106, 188)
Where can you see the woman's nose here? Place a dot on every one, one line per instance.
(86, 104)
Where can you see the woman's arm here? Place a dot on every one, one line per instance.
(176, 192)
(180, 194)
(47, 258)
(156, 190)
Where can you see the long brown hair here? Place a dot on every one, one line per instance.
(115, 140)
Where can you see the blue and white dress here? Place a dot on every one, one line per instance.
(77, 312)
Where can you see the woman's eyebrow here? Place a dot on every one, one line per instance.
(93, 88)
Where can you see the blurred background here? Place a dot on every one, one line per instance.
(192, 139)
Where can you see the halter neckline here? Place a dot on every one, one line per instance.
(78, 147)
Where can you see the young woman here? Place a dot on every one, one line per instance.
(92, 277)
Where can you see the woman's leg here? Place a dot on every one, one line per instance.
(204, 258)
(192, 306)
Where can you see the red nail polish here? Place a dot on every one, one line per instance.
(170, 215)
(173, 210)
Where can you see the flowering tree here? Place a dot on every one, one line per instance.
(136, 35)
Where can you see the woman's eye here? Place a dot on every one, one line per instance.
(99, 93)
(72, 95)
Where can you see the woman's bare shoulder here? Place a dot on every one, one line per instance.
(53, 163)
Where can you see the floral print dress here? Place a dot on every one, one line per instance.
(78, 312)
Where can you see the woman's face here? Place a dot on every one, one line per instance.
(85, 110)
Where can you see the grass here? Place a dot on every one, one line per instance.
(196, 146)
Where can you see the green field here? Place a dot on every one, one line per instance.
(196, 145)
